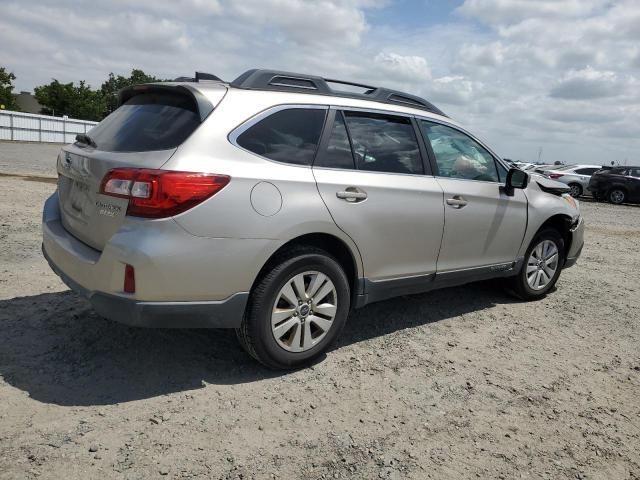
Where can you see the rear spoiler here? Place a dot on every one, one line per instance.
(205, 107)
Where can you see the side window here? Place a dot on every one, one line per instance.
(289, 136)
(586, 171)
(502, 172)
(634, 172)
(458, 155)
(338, 153)
(383, 143)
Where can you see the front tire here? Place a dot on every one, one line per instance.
(543, 262)
(617, 196)
(296, 310)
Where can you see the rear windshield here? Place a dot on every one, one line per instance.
(146, 122)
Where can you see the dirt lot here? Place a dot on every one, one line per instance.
(461, 383)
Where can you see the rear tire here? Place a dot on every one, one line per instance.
(617, 196)
(296, 310)
(543, 262)
(576, 190)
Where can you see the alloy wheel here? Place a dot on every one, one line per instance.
(575, 191)
(616, 196)
(542, 264)
(303, 311)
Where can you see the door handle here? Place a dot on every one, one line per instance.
(457, 201)
(352, 194)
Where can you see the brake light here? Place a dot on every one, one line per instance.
(555, 175)
(161, 193)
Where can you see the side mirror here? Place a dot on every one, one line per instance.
(516, 178)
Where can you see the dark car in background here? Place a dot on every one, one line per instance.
(616, 184)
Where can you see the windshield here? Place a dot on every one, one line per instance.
(146, 122)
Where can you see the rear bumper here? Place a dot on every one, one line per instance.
(98, 276)
(577, 242)
(226, 313)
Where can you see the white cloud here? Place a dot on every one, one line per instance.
(304, 22)
(513, 11)
(454, 90)
(403, 68)
(520, 73)
(589, 84)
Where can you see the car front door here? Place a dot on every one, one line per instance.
(633, 182)
(370, 174)
(484, 227)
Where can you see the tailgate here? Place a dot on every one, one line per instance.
(143, 132)
(89, 216)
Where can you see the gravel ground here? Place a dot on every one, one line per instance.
(459, 383)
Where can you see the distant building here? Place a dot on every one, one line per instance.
(27, 102)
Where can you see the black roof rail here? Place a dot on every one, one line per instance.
(260, 79)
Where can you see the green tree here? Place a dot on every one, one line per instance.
(75, 101)
(81, 101)
(114, 84)
(7, 100)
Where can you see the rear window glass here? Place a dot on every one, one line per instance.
(146, 122)
(289, 136)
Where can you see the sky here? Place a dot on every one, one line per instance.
(549, 79)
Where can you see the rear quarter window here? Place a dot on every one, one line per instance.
(147, 122)
(289, 136)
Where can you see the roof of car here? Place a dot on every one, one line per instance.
(312, 85)
(274, 80)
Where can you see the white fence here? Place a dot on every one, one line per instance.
(28, 127)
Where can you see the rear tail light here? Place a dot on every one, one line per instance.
(554, 175)
(161, 193)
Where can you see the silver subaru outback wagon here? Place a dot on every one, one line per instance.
(276, 203)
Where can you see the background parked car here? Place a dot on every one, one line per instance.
(523, 165)
(616, 184)
(540, 168)
(575, 176)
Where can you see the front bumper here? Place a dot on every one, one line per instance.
(577, 242)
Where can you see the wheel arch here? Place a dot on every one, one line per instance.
(577, 184)
(562, 223)
(617, 186)
(333, 245)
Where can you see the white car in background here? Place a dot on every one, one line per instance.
(539, 168)
(575, 176)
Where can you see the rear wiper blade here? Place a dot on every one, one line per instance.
(86, 139)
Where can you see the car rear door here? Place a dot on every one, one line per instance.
(371, 176)
(584, 175)
(484, 227)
